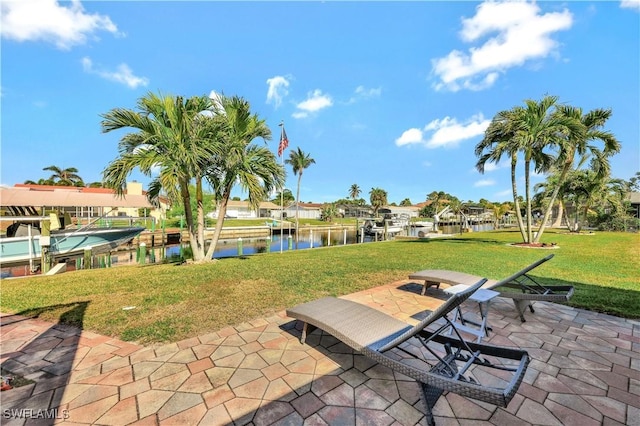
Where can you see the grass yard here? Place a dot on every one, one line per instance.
(173, 302)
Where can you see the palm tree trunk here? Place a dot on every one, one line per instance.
(554, 195)
(558, 221)
(527, 195)
(298, 205)
(222, 211)
(568, 219)
(516, 203)
(191, 226)
(200, 213)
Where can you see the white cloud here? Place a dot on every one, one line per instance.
(409, 137)
(505, 193)
(490, 167)
(123, 74)
(630, 4)
(315, 102)
(484, 182)
(277, 90)
(444, 132)
(217, 104)
(47, 20)
(520, 34)
(361, 93)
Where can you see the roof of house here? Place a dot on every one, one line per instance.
(68, 196)
(305, 206)
(245, 204)
(634, 197)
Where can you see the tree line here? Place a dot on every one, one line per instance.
(202, 139)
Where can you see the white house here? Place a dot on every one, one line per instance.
(242, 210)
(305, 211)
(411, 211)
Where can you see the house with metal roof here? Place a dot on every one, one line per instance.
(79, 202)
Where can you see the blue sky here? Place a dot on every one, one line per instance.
(392, 95)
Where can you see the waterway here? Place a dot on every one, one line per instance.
(308, 239)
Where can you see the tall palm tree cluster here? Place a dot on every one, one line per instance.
(180, 142)
(548, 137)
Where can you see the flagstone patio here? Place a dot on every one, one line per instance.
(585, 370)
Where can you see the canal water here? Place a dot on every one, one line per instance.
(308, 239)
(276, 243)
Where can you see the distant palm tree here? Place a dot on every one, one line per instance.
(436, 198)
(378, 198)
(64, 177)
(586, 188)
(633, 184)
(285, 197)
(329, 211)
(354, 191)
(255, 168)
(40, 182)
(299, 160)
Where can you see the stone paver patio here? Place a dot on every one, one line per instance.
(585, 370)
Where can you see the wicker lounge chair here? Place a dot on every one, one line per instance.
(438, 362)
(522, 288)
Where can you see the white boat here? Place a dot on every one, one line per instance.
(23, 243)
(388, 226)
(428, 226)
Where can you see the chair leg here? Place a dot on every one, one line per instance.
(306, 329)
(431, 395)
(521, 306)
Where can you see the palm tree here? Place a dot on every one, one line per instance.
(582, 129)
(286, 196)
(633, 184)
(64, 177)
(354, 191)
(586, 188)
(378, 198)
(299, 160)
(528, 131)
(40, 182)
(436, 197)
(498, 142)
(255, 168)
(174, 135)
(329, 211)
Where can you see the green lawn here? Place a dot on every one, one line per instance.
(173, 302)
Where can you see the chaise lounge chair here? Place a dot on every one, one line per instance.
(522, 288)
(438, 362)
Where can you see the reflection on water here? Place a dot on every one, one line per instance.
(246, 246)
(277, 243)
